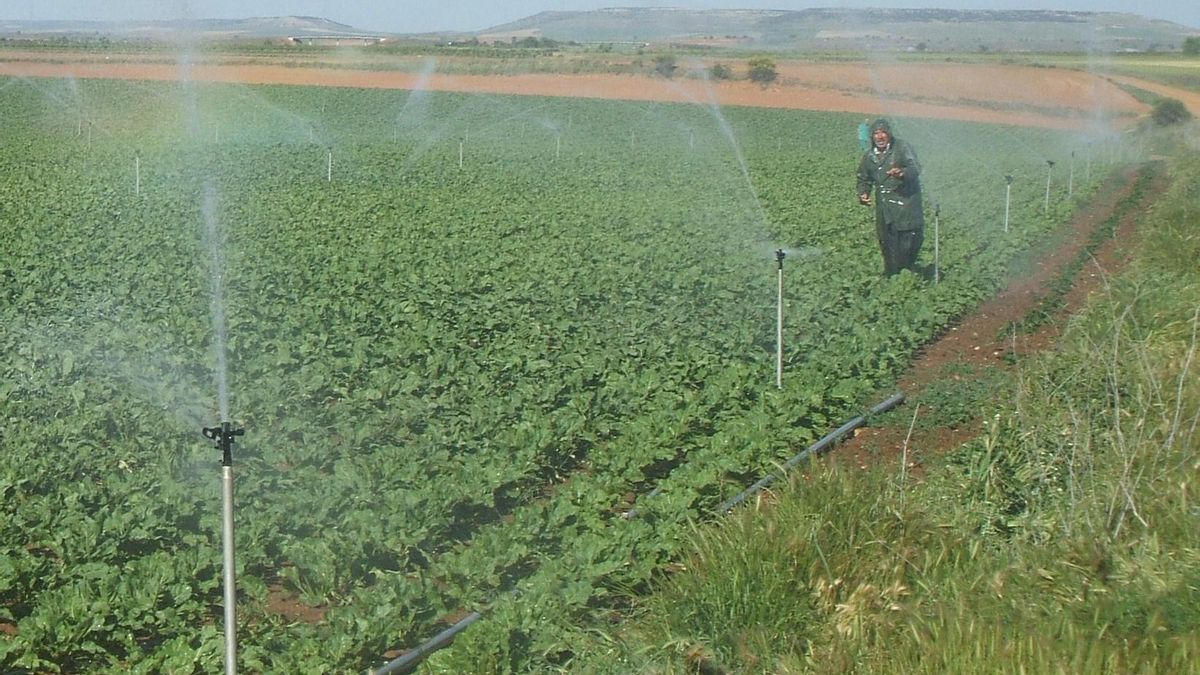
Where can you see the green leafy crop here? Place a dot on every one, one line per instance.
(454, 376)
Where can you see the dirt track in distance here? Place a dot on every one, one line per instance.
(1002, 94)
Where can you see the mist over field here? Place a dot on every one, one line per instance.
(497, 323)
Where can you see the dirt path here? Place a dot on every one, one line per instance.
(1190, 99)
(1002, 94)
(980, 340)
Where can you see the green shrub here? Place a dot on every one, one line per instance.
(762, 70)
(664, 64)
(1169, 111)
(720, 71)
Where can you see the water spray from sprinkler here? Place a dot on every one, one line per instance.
(779, 256)
(223, 437)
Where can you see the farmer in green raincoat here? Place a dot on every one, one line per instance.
(890, 167)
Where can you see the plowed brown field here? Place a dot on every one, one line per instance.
(1006, 94)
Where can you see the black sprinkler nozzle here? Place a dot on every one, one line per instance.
(779, 255)
(223, 438)
(1009, 179)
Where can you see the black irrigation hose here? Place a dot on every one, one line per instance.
(411, 660)
(632, 512)
(816, 448)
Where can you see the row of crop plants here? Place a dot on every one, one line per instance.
(465, 335)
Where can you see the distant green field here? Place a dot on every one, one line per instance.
(464, 333)
(1171, 69)
(1181, 75)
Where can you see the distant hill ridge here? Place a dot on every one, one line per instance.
(813, 29)
(263, 26)
(840, 28)
(885, 14)
(878, 14)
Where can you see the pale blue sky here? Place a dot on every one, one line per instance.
(414, 16)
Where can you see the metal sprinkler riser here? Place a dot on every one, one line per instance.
(779, 255)
(223, 437)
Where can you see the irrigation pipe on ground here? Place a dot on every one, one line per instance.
(816, 448)
(411, 660)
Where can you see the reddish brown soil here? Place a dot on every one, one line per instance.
(286, 604)
(979, 340)
(1007, 94)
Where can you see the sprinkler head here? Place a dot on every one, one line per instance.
(779, 255)
(1050, 162)
(222, 436)
(1008, 179)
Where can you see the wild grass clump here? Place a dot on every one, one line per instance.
(762, 586)
(1063, 540)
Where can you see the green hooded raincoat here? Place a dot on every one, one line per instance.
(899, 218)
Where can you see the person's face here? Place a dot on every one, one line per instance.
(881, 138)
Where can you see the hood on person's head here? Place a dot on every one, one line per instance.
(881, 124)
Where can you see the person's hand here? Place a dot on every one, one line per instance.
(896, 172)
(864, 198)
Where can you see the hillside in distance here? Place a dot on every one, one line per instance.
(215, 29)
(857, 29)
(829, 29)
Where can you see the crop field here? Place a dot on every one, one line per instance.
(464, 334)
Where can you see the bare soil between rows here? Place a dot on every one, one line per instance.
(980, 340)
